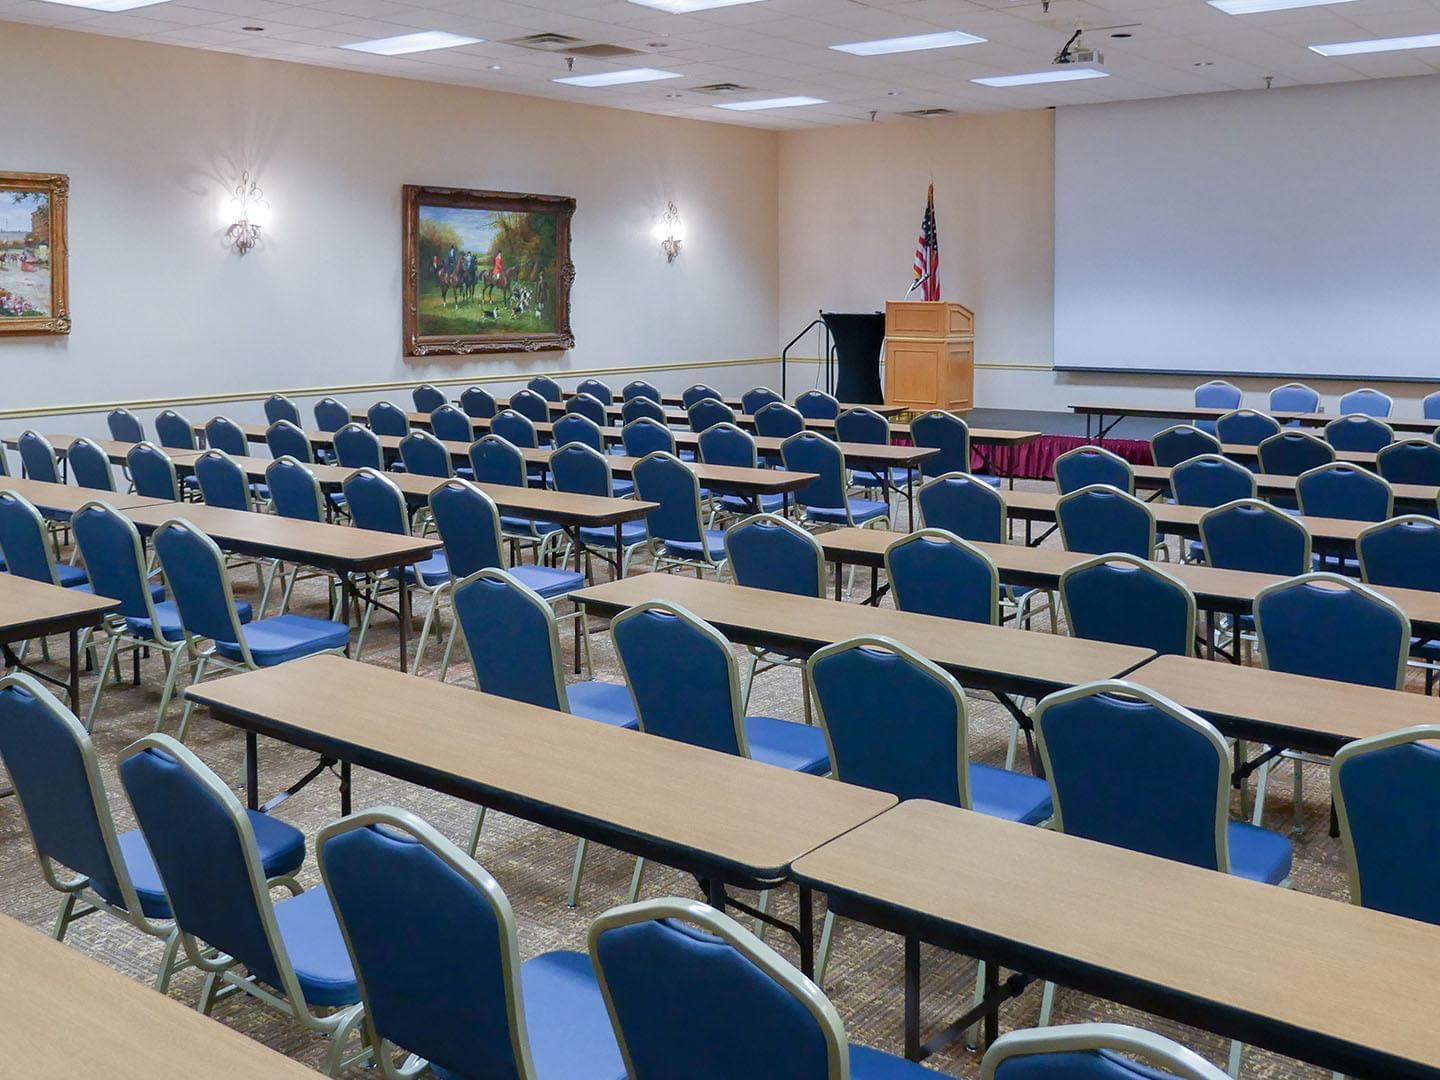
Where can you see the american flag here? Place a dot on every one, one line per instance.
(927, 253)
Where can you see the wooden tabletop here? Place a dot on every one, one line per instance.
(64, 1015)
(1246, 452)
(62, 500)
(549, 766)
(117, 451)
(1195, 412)
(979, 655)
(1161, 935)
(32, 608)
(1150, 476)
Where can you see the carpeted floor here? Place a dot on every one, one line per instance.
(533, 864)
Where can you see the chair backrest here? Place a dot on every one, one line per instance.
(600, 391)
(224, 434)
(357, 447)
(1357, 431)
(1218, 394)
(38, 457)
(1086, 465)
(1403, 552)
(778, 421)
(1181, 443)
(817, 405)
(964, 505)
(1387, 802)
(174, 431)
(195, 568)
(375, 502)
(1410, 461)
(478, 403)
(862, 425)
(645, 436)
(425, 455)
(756, 398)
(546, 387)
(1290, 453)
(1129, 601)
(294, 491)
(114, 557)
(223, 482)
(699, 392)
(576, 427)
(682, 675)
(1368, 401)
(1430, 406)
(496, 460)
(534, 407)
(1211, 480)
(330, 414)
(642, 408)
(1294, 397)
(638, 388)
(90, 466)
(580, 469)
(387, 418)
(1099, 520)
(728, 444)
(1252, 535)
(811, 452)
(427, 398)
(395, 879)
(946, 432)
(286, 439)
(23, 542)
(124, 426)
(765, 551)
(279, 407)
(469, 527)
(709, 411)
(664, 965)
(152, 472)
(515, 428)
(663, 479)
(512, 639)
(1331, 627)
(1343, 490)
(1129, 767)
(934, 572)
(588, 406)
(451, 424)
(893, 720)
(1245, 427)
(1092, 1052)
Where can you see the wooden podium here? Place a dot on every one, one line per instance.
(929, 355)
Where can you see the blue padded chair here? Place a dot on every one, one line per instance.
(1410, 461)
(62, 796)
(152, 472)
(600, 391)
(547, 388)
(1245, 427)
(425, 455)
(25, 545)
(825, 501)
(1430, 406)
(395, 879)
(286, 439)
(697, 393)
(934, 572)
(387, 418)
(1385, 800)
(580, 469)
(1092, 1052)
(727, 444)
(224, 434)
(1290, 453)
(288, 954)
(37, 458)
(817, 405)
(639, 388)
(223, 483)
(1403, 552)
(1087, 465)
(1294, 397)
(515, 428)
(496, 460)
(478, 403)
(295, 493)
(862, 425)
(663, 966)
(279, 407)
(1252, 535)
(1368, 401)
(174, 431)
(427, 398)
(1181, 443)
(709, 411)
(646, 436)
(1211, 480)
(357, 447)
(588, 406)
(577, 427)
(1342, 490)
(1357, 431)
(330, 414)
(756, 398)
(534, 407)
(195, 569)
(676, 526)
(1100, 519)
(1128, 601)
(778, 421)
(124, 426)
(949, 434)
(450, 424)
(1216, 394)
(90, 466)
(642, 408)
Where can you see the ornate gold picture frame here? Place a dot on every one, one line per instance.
(34, 253)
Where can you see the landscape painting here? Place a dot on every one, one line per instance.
(486, 271)
(33, 254)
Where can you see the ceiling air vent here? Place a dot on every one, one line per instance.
(724, 88)
(602, 50)
(923, 113)
(553, 42)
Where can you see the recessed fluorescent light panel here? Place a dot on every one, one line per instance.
(1058, 73)
(1254, 7)
(771, 103)
(915, 43)
(424, 41)
(108, 5)
(1392, 44)
(618, 78)
(685, 7)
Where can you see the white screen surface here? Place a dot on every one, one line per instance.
(1286, 232)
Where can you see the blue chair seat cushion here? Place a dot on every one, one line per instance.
(317, 949)
(1091, 1064)
(602, 536)
(744, 504)
(432, 572)
(606, 702)
(549, 581)
(522, 526)
(714, 545)
(798, 747)
(861, 511)
(286, 637)
(866, 477)
(70, 577)
(621, 489)
(1010, 795)
(867, 1063)
(1423, 649)
(169, 616)
(566, 1018)
(1259, 854)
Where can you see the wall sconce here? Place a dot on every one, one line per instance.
(251, 212)
(670, 232)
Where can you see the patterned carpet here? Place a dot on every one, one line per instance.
(533, 865)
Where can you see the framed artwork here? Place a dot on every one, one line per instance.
(486, 271)
(34, 254)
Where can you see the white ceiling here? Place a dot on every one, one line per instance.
(778, 47)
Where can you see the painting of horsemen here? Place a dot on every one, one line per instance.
(486, 271)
